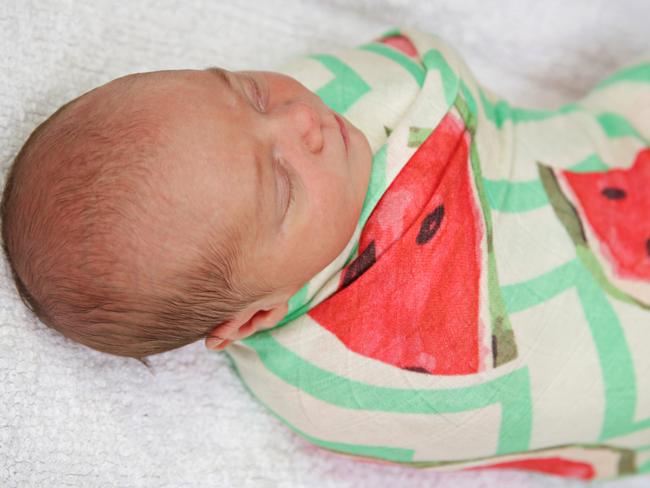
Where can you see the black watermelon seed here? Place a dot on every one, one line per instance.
(647, 247)
(430, 225)
(417, 369)
(614, 193)
(360, 265)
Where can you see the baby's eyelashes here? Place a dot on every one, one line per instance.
(254, 91)
(259, 99)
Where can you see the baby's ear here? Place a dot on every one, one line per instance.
(244, 324)
(216, 343)
(266, 319)
(223, 334)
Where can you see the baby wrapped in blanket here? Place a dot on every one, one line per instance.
(433, 277)
(493, 305)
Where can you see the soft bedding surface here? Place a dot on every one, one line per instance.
(72, 417)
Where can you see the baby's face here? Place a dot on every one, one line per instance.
(259, 149)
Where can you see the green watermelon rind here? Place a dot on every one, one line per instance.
(503, 336)
(568, 215)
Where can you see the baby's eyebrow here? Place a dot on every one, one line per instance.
(221, 74)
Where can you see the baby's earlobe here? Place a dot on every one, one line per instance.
(216, 342)
(223, 345)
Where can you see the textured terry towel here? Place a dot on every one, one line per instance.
(493, 305)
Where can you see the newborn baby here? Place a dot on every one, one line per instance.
(147, 212)
(405, 267)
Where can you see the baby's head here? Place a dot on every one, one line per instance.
(167, 207)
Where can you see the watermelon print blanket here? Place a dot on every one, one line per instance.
(492, 309)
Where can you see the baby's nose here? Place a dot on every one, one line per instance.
(308, 123)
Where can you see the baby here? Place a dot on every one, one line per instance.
(167, 207)
(437, 279)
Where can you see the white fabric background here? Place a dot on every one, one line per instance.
(70, 416)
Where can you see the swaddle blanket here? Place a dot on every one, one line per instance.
(492, 308)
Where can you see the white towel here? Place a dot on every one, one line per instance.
(70, 416)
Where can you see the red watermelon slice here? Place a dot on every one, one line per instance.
(401, 43)
(595, 461)
(607, 215)
(411, 297)
(556, 465)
